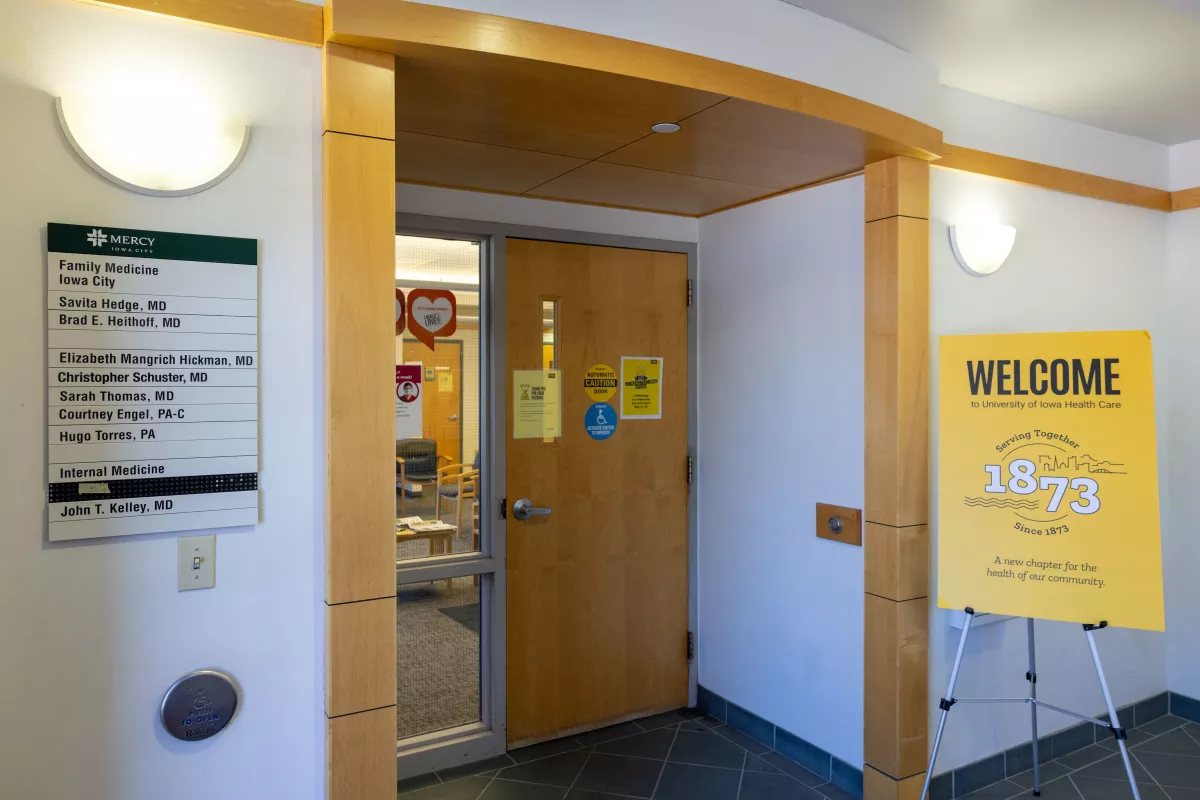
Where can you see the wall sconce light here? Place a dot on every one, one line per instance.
(982, 249)
(167, 145)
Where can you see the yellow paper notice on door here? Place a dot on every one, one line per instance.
(537, 413)
(641, 387)
(1048, 478)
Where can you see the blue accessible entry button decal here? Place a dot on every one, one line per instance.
(600, 421)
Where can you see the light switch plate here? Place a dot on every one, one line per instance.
(197, 567)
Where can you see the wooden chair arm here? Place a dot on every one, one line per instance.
(456, 472)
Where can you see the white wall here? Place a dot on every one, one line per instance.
(1184, 161)
(94, 632)
(981, 123)
(781, 428)
(438, 202)
(764, 34)
(1181, 552)
(1078, 264)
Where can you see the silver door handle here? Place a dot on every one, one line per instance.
(524, 509)
(454, 418)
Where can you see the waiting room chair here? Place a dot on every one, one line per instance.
(457, 482)
(417, 461)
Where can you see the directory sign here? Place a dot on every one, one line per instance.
(1048, 478)
(152, 381)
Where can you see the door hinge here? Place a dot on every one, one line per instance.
(691, 646)
(691, 291)
(691, 469)
(503, 508)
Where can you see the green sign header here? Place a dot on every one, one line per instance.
(98, 241)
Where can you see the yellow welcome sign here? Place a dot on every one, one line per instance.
(1048, 478)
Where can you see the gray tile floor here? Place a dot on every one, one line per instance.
(674, 756)
(1166, 764)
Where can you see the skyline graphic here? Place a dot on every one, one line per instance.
(1093, 466)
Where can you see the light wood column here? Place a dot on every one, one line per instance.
(358, 153)
(896, 646)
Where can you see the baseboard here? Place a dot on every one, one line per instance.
(957, 782)
(970, 777)
(1184, 706)
(815, 759)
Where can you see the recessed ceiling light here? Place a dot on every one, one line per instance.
(664, 127)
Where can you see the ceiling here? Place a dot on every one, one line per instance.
(1130, 66)
(481, 121)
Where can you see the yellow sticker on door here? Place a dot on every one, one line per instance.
(600, 382)
(536, 411)
(641, 387)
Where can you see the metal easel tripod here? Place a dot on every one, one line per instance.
(947, 702)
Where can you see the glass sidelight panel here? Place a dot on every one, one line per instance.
(549, 334)
(438, 627)
(438, 463)
(445, 570)
(550, 343)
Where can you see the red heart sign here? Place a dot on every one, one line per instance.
(399, 312)
(431, 313)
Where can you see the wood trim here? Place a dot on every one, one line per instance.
(897, 371)
(360, 751)
(358, 90)
(898, 187)
(360, 656)
(360, 509)
(382, 24)
(896, 671)
(897, 561)
(286, 20)
(879, 786)
(896, 610)
(851, 532)
(1185, 199)
(1179, 201)
(360, 284)
(1055, 178)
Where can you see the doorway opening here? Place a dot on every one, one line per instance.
(545, 622)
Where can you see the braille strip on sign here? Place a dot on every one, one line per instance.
(153, 487)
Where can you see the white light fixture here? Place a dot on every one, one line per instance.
(982, 249)
(664, 127)
(168, 144)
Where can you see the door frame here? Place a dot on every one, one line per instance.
(493, 410)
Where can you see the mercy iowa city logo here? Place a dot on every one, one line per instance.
(121, 243)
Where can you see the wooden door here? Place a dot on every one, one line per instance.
(597, 590)
(441, 394)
